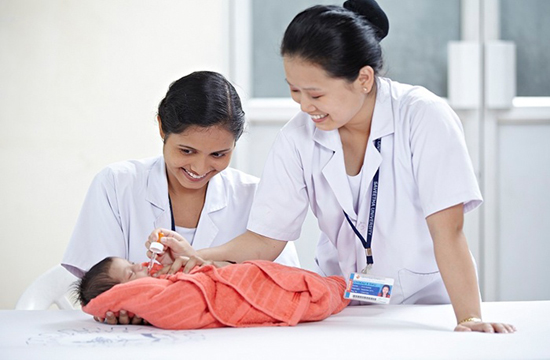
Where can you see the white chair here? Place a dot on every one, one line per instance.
(52, 287)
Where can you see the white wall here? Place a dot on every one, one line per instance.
(80, 83)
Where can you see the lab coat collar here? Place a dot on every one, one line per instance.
(157, 185)
(216, 200)
(333, 159)
(157, 194)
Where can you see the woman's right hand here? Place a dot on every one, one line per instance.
(175, 246)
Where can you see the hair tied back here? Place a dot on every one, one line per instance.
(370, 10)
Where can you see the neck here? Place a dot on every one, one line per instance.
(360, 125)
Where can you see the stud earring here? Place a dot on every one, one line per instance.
(365, 90)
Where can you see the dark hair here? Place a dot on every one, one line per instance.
(341, 40)
(95, 282)
(202, 98)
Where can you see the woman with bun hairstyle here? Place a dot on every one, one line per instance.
(189, 189)
(382, 165)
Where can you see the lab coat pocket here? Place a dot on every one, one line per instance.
(413, 283)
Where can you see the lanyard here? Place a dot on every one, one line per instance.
(374, 196)
(173, 223)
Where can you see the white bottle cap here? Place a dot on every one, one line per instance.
(156, 247)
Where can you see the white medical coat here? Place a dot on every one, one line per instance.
(128, 200)
(424, 168)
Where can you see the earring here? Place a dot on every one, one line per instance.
(365, 90)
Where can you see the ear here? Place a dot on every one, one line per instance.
(365, 79)
(160, 127)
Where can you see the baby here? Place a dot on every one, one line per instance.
(253, 293)
(112, 271)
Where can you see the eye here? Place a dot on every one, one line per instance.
(186, 151)
(316, 97)
(218, 155)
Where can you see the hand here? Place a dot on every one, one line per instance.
(124, 318)
(175, 245)
(188, 264)
(486, 327)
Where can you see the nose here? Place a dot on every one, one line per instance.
(200, 166)
(306, 105)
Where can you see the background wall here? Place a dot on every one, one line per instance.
(81, 81)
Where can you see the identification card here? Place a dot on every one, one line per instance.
(369, 288)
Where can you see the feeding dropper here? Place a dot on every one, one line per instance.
(155, 248)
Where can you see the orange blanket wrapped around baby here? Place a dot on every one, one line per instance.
(255, 293)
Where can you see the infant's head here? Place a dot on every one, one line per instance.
(104, 275)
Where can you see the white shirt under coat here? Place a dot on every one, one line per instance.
(128, 200)
(424, 168)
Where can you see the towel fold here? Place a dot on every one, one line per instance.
(255, 293)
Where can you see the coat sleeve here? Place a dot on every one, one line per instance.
(442, 166)
(98, 232)
(280, 205)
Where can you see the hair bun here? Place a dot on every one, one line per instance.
(371, 11)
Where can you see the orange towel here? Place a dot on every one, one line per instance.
(255, 293)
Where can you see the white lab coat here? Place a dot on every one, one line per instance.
(424, 168)
(128, 200)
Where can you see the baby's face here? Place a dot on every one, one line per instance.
(123, 270)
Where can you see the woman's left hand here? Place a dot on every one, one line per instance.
(486, 327)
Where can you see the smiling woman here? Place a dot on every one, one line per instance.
(190, 189)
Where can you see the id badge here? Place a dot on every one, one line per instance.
(369, 288)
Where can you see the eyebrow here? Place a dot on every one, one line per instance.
(192, 148)
(308, 88)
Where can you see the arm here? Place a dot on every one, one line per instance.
(248, 246)
(457, 270)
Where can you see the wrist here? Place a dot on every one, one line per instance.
(469, 319)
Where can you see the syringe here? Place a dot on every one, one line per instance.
(155, 248)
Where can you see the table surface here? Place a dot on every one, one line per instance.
(361, 332)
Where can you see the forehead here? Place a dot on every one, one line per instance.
(196, 135)
(118, 266)
(305, 74)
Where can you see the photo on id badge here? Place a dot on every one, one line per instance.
(369, 288)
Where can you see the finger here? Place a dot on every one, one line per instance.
(500, 328)
(136, 320)
(177, 265)
(99, 319)
(177, 247)
(162, 271)
(484, 327)
(110, 318)
(462, 328)
(123, 318)
(191, 263)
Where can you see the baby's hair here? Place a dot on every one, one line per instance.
(95, 282)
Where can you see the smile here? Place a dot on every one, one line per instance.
(318, 118)
(193, 176)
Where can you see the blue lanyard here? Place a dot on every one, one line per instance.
(374, 196)
(173, 223)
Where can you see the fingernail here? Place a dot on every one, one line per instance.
(109, 313)
(122, 312)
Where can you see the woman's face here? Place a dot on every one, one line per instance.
(123, 270)
(385, 290)
(331, 102)
(194, 156)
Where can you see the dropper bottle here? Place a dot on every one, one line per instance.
(155, 248)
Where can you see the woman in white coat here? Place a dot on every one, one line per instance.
(382, 165)
(189, 189)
